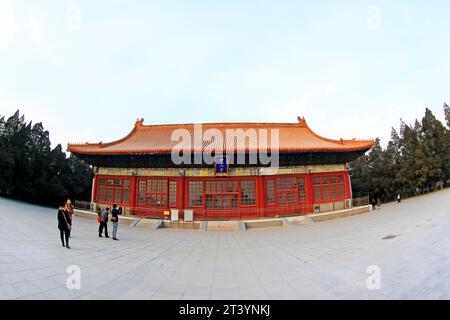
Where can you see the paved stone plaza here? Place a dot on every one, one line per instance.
(326, 260)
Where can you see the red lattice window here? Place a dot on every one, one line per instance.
(248, 195)
(157, 193)
(195, 193)
(328, 188)
(114, 190)
(285, 190)
(270, 192)
(221, 194)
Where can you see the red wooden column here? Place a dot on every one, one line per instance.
(185, 193)
(348, 186)
(180, 196)
(94, 188)
(259, 196)
(133, 192)
(309, 192)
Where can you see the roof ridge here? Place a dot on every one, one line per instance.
(274, 124)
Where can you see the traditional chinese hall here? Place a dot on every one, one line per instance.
(138, 173)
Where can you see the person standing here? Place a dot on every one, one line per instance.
(64, 226)
(99, 217)
(373, 204)
(104, 215)
(115, 220)
(399, 198)
(70, 209)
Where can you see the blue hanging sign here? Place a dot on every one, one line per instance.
(221, 165)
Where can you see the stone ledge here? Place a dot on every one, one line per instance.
(300, 220)
(265, 223)
(222, 226)
(340, 214)
(181, 224)
(237, 225)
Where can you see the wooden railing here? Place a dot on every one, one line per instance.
(361, 201)
(202, 213)
(83, 205)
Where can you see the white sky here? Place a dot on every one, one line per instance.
(89, 69)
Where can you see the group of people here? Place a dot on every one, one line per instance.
(103, 218)
(375, 203)
(65, 221)
(65, 218)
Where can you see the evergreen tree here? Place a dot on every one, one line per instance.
(377, 170)
(57, 167)
(31, 171)
(16, 135)
(80, 177)
(6, 160)
(406, 175)
(39, 148)
(447, 114)
(394, 154)
(416, 160)
(361, 181)
(433, 145)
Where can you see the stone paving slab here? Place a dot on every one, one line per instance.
(409, 242)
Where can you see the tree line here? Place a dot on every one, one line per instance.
(31, 170)
(416, 160)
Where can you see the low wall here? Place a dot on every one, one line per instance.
(319, 217)
(180, 224)
(223, 226)
(265, 223)
(234, 225)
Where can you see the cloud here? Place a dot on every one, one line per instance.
(7, 23)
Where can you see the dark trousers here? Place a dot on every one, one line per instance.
(100, 228)
(64, 233)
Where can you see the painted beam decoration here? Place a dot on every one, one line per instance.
(211, 172)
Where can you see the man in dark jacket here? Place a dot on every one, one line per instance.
(64, 225)
(104, 223)
(115, 220)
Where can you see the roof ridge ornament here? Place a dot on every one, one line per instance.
(301, 121)
(139, 123)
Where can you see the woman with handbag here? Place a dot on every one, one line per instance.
(99, 218)
(64, 225)
(71, 210)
